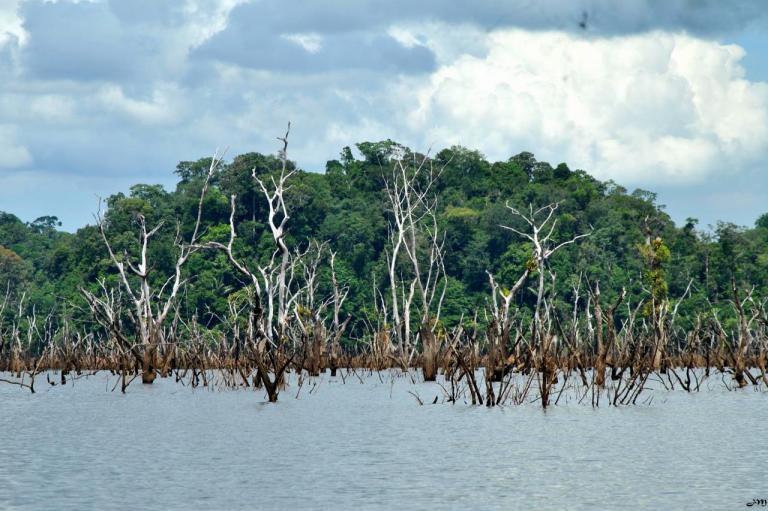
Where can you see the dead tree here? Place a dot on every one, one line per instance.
(275, 196)
(275, 337)
(310, 312)
(603, 347)
(416, 268)
(29, 350)
(539, 230)
(744, 337)
(337, 328)
(498, 333)
(150, 306)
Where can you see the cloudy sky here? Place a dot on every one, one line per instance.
(667, 95)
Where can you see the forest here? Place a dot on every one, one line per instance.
(443, 260)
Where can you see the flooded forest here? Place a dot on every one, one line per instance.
(511, 282)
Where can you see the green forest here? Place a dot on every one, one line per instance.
(346, 207)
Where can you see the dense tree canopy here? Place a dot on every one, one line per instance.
(346, 207)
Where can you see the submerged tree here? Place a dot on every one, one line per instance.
(417, 278)
(539, 228)
(656, 255)
(286, 318)
(141, 331)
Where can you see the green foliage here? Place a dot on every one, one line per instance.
(347, 207)
(655, 255)
(13, 271)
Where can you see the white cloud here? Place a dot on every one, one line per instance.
(160, 108)
(311, 43)
(53, 108)
(206, 18)
(12, 153)
(123, 90)
(11, 24)
(648, 108)
(406, 37)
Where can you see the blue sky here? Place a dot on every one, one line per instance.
(670, 96)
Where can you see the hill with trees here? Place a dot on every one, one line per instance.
(348, 210)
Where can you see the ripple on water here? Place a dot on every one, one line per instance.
(350, 446)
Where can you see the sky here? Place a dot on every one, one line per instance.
(665, 95)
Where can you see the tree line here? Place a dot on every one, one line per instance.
(392, 253)
(347, 207)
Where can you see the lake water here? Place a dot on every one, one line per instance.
(371, 446)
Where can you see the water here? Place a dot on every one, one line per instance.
(371, 446)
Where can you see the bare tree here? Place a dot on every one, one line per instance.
(498, 333)
(29, 346)
(416, 268)
(276, 328)
(540, 228)
(337, 328)
(603, 347)
(275, 196)
(151, 306)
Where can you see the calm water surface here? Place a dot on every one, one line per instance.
(371, 446)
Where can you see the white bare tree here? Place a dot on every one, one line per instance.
(287, 315)
(416, 267)
(541, 227)
(275, 195)
(273, 293)
(151, 306)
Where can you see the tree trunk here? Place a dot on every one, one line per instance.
(601, 347)
(149, 364)
(316, 350)
(430, 353)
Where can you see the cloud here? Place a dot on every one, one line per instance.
(82, 41)
(337, 34)
(648, 108)
(117, 92)
(160, 108)
(137, 41)
(52, 108)
(12, 153)
(11, 24)
(598, 16)
(310, 42)
(245, 45)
